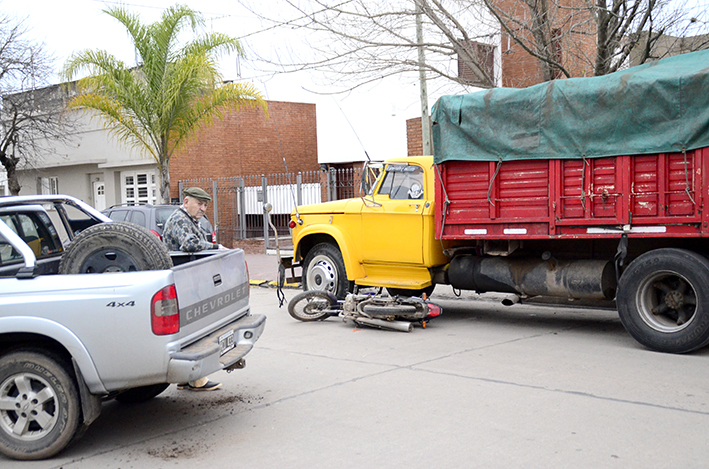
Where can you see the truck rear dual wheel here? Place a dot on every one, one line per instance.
(324, 270)
(663, 300)
(115, 247)
(40, 411)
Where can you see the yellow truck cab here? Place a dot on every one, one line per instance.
(385, 238)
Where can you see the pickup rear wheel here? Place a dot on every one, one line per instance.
(115, 247)
(39, 405)
(663, 300)
(324, 270)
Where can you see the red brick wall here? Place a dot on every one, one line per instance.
(520, 69)
(414, 142)
(246, 142)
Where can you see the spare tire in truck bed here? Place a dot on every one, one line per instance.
(114, 247)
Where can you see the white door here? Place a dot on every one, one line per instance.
(99, 195)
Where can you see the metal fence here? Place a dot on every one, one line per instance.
(237, 209)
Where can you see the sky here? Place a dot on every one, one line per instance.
(372, 118)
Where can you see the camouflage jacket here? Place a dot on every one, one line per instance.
(182, 233)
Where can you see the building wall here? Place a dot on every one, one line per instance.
(94, 167)
(248, 143)
(577, 51)
(414, 137)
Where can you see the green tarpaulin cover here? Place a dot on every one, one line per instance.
(657, 107)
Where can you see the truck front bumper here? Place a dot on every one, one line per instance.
(205, 356)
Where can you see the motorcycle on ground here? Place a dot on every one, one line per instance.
(396, 313)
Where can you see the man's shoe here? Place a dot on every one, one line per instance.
(208, 386)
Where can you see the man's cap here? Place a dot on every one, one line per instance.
(197, 193)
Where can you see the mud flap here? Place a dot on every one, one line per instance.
(90, 403)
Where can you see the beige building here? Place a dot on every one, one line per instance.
(88, 164)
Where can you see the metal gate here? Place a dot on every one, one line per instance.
(237, 210)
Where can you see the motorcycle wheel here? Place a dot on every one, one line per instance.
(312, 305)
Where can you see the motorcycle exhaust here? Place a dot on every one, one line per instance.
(401, 326)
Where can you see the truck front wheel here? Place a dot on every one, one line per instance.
(40, 411)
(663, 300)
(324, 270)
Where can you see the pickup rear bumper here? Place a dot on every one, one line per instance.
(205, 356)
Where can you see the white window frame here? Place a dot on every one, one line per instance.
(138, 187)
(48, 185)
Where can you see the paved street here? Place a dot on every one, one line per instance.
(483, 386)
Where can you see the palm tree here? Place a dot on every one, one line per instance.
(158, 105)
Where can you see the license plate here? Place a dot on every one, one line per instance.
(226, 342)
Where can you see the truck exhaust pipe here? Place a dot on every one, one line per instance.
(579, 279)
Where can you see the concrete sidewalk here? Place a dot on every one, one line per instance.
(263, 269)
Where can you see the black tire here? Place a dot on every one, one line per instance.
(324, 270)
(663, 300)
(312, 305)
(404, 292)
(115, 247)
(46, 405)
(141, 394)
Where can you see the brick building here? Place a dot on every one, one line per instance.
(92, 166)
(518, 68)
(572, 50)
(247, 143)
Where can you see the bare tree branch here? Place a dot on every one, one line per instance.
(360, 41)
(31, 113)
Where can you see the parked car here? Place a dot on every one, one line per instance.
(153, 217)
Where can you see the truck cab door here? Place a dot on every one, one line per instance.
(392, 217)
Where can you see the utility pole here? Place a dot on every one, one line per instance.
(425, 119)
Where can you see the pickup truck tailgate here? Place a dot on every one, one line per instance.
(211, 291)
(216, 327)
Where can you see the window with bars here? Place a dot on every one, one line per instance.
(138, 187)
(484, 55)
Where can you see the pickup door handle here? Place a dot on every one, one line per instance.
(415, 205)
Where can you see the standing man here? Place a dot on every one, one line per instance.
(182, 233)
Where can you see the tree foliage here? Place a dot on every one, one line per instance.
(29, 113)
(174, 89)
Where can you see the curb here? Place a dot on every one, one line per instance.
(274, 284)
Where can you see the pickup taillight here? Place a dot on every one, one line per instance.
(165, 312)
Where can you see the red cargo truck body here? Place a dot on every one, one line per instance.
(658, 195)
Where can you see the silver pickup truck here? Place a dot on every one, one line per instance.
(70, 340)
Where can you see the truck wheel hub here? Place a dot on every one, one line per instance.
(322, 276)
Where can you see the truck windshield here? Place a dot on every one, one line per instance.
(402, 181)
